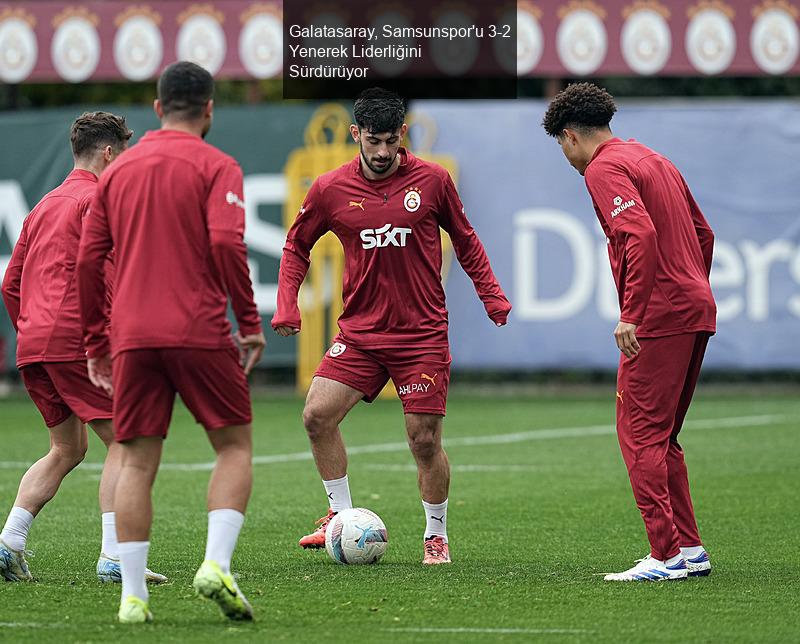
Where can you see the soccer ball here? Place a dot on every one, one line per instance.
(356, 536)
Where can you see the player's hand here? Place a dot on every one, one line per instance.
(286, 331)
(625, 335)
(100, 373)
(250, 349)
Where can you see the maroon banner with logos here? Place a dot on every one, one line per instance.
(113, 40)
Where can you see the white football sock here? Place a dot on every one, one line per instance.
(15, 532)
(109, 547)
(133, 561)
(223, 532)
(693, 552)
(338, 491)
(674, 560)
(436, 519)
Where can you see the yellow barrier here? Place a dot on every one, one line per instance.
(328, 145)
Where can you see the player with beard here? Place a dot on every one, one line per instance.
(387, 208)
(172, 209)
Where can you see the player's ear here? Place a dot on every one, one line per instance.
(354, 132)
(108, 154)
(209, 110)
(158, 109)
(403, 130)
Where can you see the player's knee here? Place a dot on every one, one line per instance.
(316, 421)
(424, 445)
(70, 456)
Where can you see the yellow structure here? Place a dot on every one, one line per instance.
(328, 144)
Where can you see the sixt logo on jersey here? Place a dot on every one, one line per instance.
(620, 206)
(384, 236)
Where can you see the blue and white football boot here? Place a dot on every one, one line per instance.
(649, 569)
(109, 571)
(13, 566)
(699, 566)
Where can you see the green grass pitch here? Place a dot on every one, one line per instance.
(540, 505)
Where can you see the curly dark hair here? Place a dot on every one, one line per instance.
(581, 106)
(92, 131)
(378, 110)
(184, 90)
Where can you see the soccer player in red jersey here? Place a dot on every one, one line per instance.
(172, 209)
(660, 247)
(386, 207)
(41, 297)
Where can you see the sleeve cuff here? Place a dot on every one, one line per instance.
(103, 348)
(251, 329)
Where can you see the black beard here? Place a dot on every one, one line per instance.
(371, 167)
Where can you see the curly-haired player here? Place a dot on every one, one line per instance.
(660, 247)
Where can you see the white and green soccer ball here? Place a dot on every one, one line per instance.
(356, 536)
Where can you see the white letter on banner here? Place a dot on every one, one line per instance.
(758, 262)
(607, 297)
(727, 271)
(527, 303)
(13, 210)
(794, 268)
(262, 236)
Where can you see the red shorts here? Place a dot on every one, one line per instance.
(420, 375)
(211, 384)
(60, 389)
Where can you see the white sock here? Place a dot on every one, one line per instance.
(338, 491)
(436, 519)
(223, 532)
(15, 532)
(133, 561)
(674, 560)
(693, 552)
(109, 547)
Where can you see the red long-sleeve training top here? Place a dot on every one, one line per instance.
(390, 231)
(171, 206)
(659, 243)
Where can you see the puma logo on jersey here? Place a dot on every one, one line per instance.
(619, 395)
(384, 236)
(357, 204)
(425, 376)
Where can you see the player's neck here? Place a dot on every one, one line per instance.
(189, 127)
(88, 167)
(595, 142)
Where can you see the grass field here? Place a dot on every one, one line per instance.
(539, 506)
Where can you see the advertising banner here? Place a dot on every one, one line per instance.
(533, 213)
(74, 42)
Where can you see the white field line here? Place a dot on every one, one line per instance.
(465, 441)
(503, 631)
(410, 467)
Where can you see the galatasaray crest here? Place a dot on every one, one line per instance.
(581, 39)
(75, 48)
(710, 36)
(774, 38)
(646, 38)
(138, 45)
(201, 39)
(18, 47)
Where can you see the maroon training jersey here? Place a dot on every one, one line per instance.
(171, 206)
(389, 229)
(659, 243)
(39, 288)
